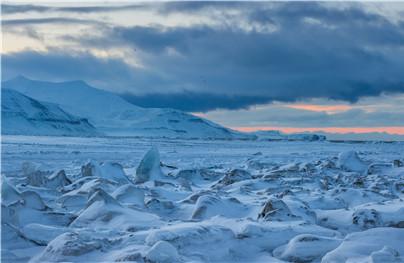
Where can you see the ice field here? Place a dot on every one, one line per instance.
(166, 200)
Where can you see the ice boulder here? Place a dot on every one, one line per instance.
(379, 168)
(276, 210)
(68, 246)
(57, 179)
(198, 175)
(76, 199)
(162, 252)
(149, 167)
(235, 175)
(48, 180)
(107, 170)
(398, 163)
(195, 240)
(9, 194)
(36, 178)
(209, 206)
(129, 194)
(72, 202)
(155, 205)
(306, 248)
(350, 161)
(101, 196)
(274, 235)
(41, 234)
(386, 254)
(103, 211)
(370, 244)
(32, 200)
(28, 168)
(366, 218)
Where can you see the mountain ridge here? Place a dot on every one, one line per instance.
(112, 115)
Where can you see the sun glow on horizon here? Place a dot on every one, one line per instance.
(331, 109)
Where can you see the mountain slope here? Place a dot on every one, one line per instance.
(24, 115)
(113, 115)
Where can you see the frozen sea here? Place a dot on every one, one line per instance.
(167, 200)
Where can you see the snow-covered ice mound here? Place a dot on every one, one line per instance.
(373, 245)
(234, 176)
(197, 241)
(208, 206)
(350, 161)
(109, 171)
(162, 252)
(52, 181)
(306, 248)
(103, 211)
(69, 246)
(130, 194)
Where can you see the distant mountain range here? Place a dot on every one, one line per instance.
(275, 135)
(80, 109)
(74, 108)
(366, 136)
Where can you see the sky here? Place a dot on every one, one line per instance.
(290, 66)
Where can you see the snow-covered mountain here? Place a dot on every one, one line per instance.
(24, 115)
(112, 115)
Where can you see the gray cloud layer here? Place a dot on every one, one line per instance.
(24, 8)
(47, 20)
(311, 50)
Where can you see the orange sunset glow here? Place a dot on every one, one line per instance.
(392, 130)
(320, 108)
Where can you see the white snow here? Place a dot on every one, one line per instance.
(70, 199)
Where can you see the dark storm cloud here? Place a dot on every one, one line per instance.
(195, 102)
(289, 51)
(293, 63)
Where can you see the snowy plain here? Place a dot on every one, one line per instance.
(170, 200)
